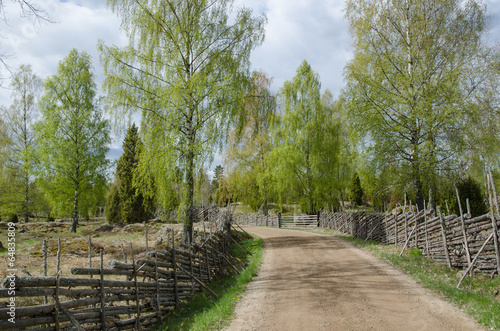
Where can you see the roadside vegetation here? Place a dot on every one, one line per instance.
(203, 312)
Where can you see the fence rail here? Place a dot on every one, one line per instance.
(119, 295)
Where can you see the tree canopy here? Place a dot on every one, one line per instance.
(305, 142)
(185, 68)
(246, 156)
(405, 80)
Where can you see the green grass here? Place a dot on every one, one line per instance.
(203, 312)
(480, 297)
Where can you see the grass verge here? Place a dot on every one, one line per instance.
(479, 297)
(203, 312)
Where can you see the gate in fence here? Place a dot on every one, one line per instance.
(298, 221)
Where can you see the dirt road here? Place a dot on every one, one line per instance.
(317, 282)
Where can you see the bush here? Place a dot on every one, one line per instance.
(12, 218)
(113, 210)
(469, 188)
(50, 217)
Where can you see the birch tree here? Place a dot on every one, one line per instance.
(20, 117)
(246, 157)
(185, 69)
(72, 136)
(10, 186)
(404, 82)
(305, 146)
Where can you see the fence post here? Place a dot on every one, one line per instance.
(396, 228)
(318, 217)
(56, 294)
(101, 291)
(138, 310)
(426, 233)
(157, 280)
(494, 224)
(44, 254)
(174, 270)
(464, 230)
(279, 220)
(443, 234)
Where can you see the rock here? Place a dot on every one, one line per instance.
(133, 228)
(105, 228)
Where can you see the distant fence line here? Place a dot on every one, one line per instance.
(277, 220)
(133, 294)
(257, 219)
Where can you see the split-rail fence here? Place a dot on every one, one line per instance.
(453, 240)
(120, 295)
(459, 241)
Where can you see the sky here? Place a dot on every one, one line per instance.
(297, 30)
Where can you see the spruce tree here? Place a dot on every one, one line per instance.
(356, 190)
(132, 206)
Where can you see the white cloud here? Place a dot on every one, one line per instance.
(44, 45)
(493, 11)
(299, 30)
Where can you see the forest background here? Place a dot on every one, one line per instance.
(418, 115)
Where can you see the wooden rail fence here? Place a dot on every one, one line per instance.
(453, 240)
(133, 294)
(457, 241)
(257, 219)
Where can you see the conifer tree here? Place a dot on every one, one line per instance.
(356, 190)
(124, 202)
(113, 212)
(132, 207)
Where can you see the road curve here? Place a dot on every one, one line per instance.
(315, 282)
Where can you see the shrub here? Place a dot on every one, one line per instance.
(469, 188)
(113, 210)
(13, 218)
(50, 217)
